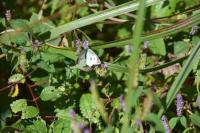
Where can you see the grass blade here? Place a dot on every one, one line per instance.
(187, 68)
(99, 16)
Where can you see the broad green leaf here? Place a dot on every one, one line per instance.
(183, 121)
(46, 66)
(195, 119)
(89, 109)
(157, 46)
(16, 78)
(61, 126)
(39, 26)
(187, 130)
(38, 126)
(173, 122)
(18, 105)
(50, 93)
(19, 23)
(52, 58)
(29, 112)
(62, 113)
(180, 48)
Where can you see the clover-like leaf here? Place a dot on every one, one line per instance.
(18, 105)
(50, 93)
(16, 78)
(38, 126)
(29, 112)
(88, 108)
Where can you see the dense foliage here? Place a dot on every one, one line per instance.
(99, 66)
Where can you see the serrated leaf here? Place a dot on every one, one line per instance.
(62, 114)
(173, 121)
(18, 105)
(29, 112)
(50, 93)
(61, 126)
(157, 46)
(195, 119)
(88, 108)
(38, 126)
(115, 103)
(16, 78)
(183, 121)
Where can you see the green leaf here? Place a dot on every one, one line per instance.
(123, 33)
(16, 78)
(100, 26)
(61, 126)
(115, 103)
(80, 1)
(19, 23)
(52, 58)
(29, 112)
(38, 26)
(195, 119)
(46, 66)
(154, 120)
(62, 113)
(18, 105)
(50, 93)
(38, 126)
(173, 121)
(180, 48)
(89, 108)
(183, 121)
(157, 46)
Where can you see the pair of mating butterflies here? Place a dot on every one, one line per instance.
(87, 58)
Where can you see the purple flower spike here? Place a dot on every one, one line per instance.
(146, 44)
(138, 123)
(104, 66)
(85, 44)
(86, 130)
(179, 104)
(165, 124)
(198, 102)
(77, 42)
(122, 102)
(71, 113)
(194, 29)
(78, 46)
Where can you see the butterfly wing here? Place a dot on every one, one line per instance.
(81, 62)
(92, 58)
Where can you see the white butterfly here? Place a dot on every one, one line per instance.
(92, 58)
(87, 58)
